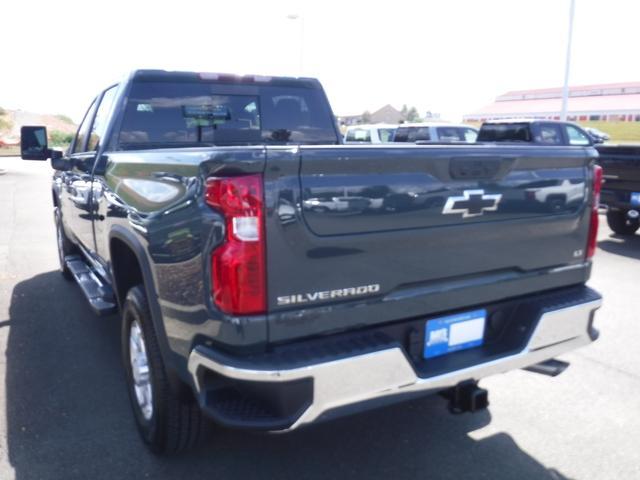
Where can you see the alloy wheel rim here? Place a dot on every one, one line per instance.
(140, 370)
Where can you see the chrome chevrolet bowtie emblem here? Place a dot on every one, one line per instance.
(472, 203)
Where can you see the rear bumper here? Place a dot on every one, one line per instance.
(617, 199)
(379, 375)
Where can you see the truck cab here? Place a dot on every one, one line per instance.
(534, 131)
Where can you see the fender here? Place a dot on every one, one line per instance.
(171, 360)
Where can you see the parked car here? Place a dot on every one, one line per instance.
(621, 188)
(540, 132)
(432, 132)
(598, 136)
(206, 220)
(375, 133)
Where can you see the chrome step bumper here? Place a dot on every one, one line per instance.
(388, 372)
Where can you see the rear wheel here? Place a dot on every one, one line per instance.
(620, 224)
(168, 420)
(65, 246)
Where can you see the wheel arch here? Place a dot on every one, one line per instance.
(130, 266)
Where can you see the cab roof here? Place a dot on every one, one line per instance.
(180, 76)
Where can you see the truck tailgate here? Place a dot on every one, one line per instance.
(399, 232)
(621, 166)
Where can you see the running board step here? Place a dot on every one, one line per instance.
(99, 295)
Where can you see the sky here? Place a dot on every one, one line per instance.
(445, 56)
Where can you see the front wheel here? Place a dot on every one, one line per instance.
(621, 224)
(168, 422)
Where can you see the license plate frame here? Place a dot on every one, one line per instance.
(453, 333)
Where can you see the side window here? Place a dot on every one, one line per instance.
(102, 116)
(550, 134)
(449, 134)
(470, 135)
(576, 137)
(402, 135)
(83, 130)
(385, 134)
(421, 134)
(358, 135)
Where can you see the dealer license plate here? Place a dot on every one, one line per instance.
(454, 333)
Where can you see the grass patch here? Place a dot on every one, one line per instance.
(619, 131)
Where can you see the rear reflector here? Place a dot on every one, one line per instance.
(593, 227)
(238, 265)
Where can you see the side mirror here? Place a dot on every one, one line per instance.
(33, 143)
(58, 162)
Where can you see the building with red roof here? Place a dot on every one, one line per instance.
(612, 102)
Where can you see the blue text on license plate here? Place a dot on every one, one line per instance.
(635, 199)
(454, 332)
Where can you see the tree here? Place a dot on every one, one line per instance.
(410, 114)
(413, 115)
(60, 138)
(366, 117)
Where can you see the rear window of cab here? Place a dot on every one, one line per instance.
(186, 114)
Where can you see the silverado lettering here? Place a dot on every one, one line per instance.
(328, 294)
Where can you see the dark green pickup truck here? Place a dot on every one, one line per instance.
(268, 277)
(621, 187)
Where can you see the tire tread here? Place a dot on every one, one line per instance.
(179, 420)
(618, 222)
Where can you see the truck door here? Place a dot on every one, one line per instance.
(76, 184)
(80, 187)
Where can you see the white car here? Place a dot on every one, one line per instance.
(435, 132)
(375, 133)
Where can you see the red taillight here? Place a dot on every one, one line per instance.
(593, 228)
(238, 266)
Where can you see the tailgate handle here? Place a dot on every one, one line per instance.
(474, 168)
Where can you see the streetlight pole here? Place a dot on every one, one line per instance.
(300, 18)
(565, 87)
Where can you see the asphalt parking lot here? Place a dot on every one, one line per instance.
(67, 413)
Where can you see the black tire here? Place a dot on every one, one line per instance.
(620, 224)
(176, 422)
(64, 245)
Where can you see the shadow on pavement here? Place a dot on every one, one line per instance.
(625, 245)
(68, 417)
